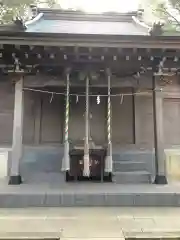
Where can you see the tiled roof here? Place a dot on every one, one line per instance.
(86, 27)
(75, 23)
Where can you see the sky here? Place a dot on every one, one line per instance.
(101, 5)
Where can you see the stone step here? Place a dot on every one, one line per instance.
(89, 195)
(137, 156)
(132, 177)
(128, 166)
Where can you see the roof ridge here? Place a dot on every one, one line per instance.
(58, 14)
(59, 10)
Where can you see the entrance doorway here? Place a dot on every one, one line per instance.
(97, 119)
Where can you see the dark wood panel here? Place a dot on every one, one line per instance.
(171, 121)
(6, 112)
(29, 117)
(52, 119)
(76, 120)
(98, 113)
(122, 120)
(144, 120)
(6, 127)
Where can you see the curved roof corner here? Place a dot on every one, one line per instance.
(141, 23)
(34, 20)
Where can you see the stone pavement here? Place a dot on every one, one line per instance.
(90, 223)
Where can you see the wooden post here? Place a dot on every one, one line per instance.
(108, 159)
(15, 177)
(86, 171)
(160, 164)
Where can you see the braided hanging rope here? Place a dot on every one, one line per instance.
(67, 111)
(66, 158)
(108, 159)
(86, 171)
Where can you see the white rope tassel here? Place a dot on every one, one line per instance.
(66, 158)
(86, 171)
(108, 159)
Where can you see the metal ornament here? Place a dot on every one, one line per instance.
(108, 159)
(17, 65)
(86, 170)
(51, 56)
(66, 158)
(161, 65)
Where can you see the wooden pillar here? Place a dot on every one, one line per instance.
(160, 164)
(15, 177)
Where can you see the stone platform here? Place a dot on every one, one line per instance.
(50, 190)
(96, 223)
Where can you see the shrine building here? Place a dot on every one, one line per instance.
(89, 97)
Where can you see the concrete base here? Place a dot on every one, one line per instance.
(160, 180)
(15, 180)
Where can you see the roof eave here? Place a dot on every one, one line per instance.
(118, 41)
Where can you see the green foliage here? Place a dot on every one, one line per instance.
(10, 9)
(175, 4)
(169, 12)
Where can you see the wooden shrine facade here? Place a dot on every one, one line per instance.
(90, 84)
